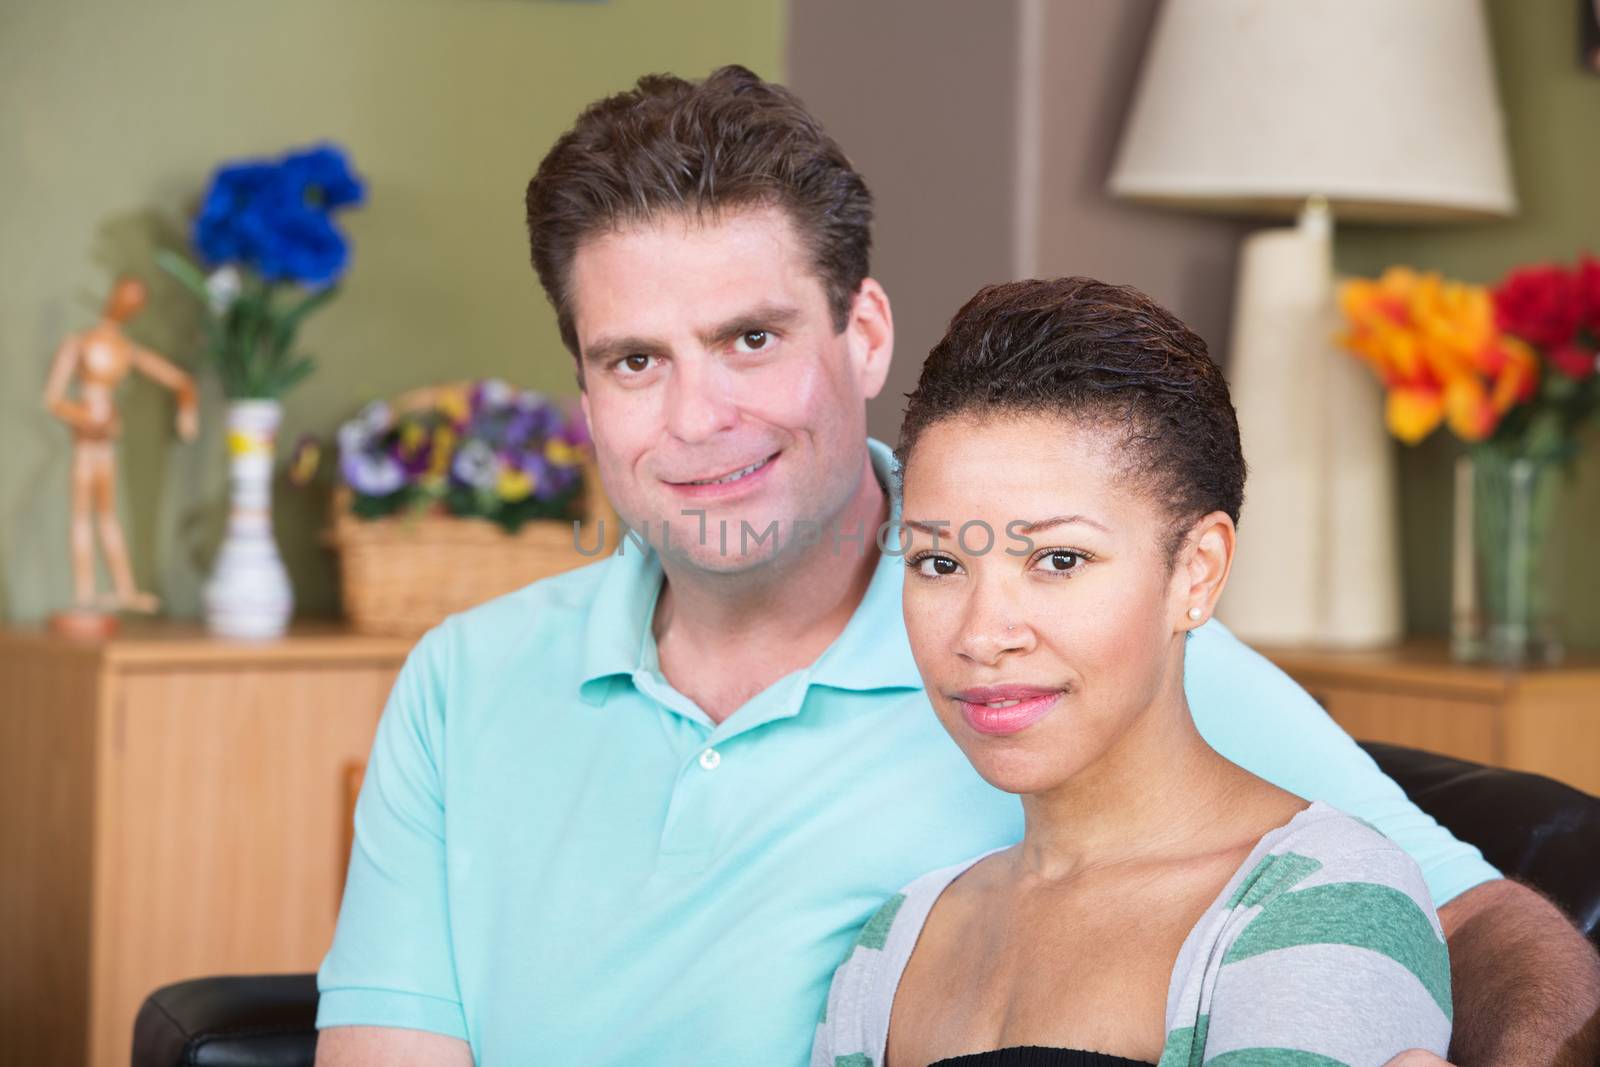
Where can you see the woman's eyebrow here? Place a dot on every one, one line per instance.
(1061, 520)
(942, 528)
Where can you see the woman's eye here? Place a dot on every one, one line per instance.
(935, 566)
(1061, 561)
(751, 341)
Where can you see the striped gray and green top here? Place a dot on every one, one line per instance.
(1322, 949)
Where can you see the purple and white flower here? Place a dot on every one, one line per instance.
(493, 394)
(476, 465)
(371, 473)
(370, 423)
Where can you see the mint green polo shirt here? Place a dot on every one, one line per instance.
(560, 859)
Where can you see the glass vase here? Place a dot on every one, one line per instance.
(1505, 592)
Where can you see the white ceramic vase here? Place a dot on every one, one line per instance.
(248, 594)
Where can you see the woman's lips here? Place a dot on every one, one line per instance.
(1021, 707)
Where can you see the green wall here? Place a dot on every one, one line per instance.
(1553, 116)
(112, 116)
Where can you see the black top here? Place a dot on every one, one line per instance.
(1038, 1056)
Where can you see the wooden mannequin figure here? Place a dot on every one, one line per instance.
(98, 359)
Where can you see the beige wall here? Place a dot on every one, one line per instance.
(1090, 63)
(921, 95)
(112, 116)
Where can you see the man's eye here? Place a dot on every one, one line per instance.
(635, 363)
(751, 340)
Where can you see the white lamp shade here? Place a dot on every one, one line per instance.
(1386, 107)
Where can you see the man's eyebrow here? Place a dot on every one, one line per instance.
(760, 317)
(609, 348)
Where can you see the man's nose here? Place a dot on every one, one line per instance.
(698, 402)
(992, 626)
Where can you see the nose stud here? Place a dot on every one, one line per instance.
(1194, 614)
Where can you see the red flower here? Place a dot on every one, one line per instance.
(1541, 305)
(1574, 360)
(1588, 285)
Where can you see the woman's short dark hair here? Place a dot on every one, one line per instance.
(1087, 350)
(675, 146)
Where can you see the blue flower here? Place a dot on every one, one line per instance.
(323, 177)
(220, 229)
(295, 244)
(277, 217)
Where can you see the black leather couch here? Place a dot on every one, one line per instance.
(1536, 830)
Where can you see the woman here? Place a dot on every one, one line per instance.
(1072, 479)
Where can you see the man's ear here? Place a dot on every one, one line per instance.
(871, 337)
(1202, 569)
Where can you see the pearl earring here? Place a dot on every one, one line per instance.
(1194, 614)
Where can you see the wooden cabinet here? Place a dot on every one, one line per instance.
(1545, 720)
(171, 805)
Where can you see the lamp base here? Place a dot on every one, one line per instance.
(1318, 560)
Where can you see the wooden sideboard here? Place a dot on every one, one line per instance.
(171, 805)
(1544, 719)
(174, 805)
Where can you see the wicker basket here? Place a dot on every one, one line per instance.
(403, 574)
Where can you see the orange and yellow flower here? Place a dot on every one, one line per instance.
(1437, 349)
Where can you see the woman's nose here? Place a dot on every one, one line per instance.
(991, 628)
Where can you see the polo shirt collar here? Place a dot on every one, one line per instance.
(619, 617)
(872, 652)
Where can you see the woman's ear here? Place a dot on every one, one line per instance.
(1202, 569)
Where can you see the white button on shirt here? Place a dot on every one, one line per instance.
(710, 759)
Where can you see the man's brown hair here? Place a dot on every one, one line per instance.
(674, 146)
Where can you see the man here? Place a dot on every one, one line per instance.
(637, 814)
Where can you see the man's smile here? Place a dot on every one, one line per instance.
(727, 483)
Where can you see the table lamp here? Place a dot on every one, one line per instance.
(1372, 110)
